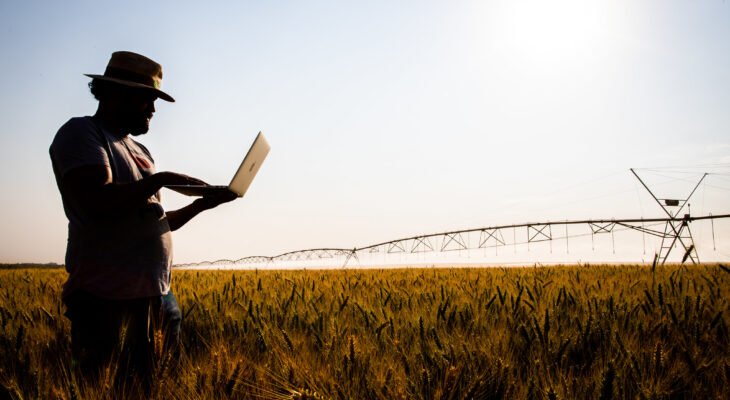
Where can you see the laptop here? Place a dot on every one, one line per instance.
(242, 178)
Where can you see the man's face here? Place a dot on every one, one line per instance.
(134, 109)
(139, 111)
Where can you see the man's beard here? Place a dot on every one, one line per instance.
(138, 132)
(140, 128)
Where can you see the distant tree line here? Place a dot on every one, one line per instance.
(30, 265)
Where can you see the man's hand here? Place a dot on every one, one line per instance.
(173, 178)
(214, 200)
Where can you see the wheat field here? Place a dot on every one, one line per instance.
(564, 332)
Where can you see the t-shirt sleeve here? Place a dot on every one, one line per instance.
(78, 144)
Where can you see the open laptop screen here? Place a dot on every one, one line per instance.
(241, 179)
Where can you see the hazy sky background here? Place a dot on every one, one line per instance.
(386, 119)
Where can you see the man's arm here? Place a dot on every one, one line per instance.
(91, 188)
(177, 218)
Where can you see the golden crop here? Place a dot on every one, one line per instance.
(568, 332)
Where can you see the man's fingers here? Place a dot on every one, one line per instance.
(189, 180)
(228, 196)
(173, 178)
(195, 181)
(214, 200)
(221, 197)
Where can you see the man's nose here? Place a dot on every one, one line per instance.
(151, 106)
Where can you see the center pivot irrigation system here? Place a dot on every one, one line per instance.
(673, 230)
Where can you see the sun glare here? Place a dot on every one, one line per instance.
(551, 34)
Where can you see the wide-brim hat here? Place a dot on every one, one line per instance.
(134, 70)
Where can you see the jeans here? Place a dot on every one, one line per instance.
(171, 317)
(119, 334)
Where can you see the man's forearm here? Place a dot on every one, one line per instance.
(130, 195)
(92, 189)
(177, 218)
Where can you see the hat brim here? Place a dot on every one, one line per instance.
(158, 92)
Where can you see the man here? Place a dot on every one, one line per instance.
(119, 250)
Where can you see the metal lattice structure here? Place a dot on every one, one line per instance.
(672, 230)
(675, 231)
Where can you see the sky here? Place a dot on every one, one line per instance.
(386, 119)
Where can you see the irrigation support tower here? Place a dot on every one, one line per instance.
(675, 230)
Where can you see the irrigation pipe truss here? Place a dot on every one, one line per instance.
(676, 233)
(489, 237)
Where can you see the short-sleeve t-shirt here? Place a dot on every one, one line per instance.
(123, 255)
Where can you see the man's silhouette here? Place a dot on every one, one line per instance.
(119, 250)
